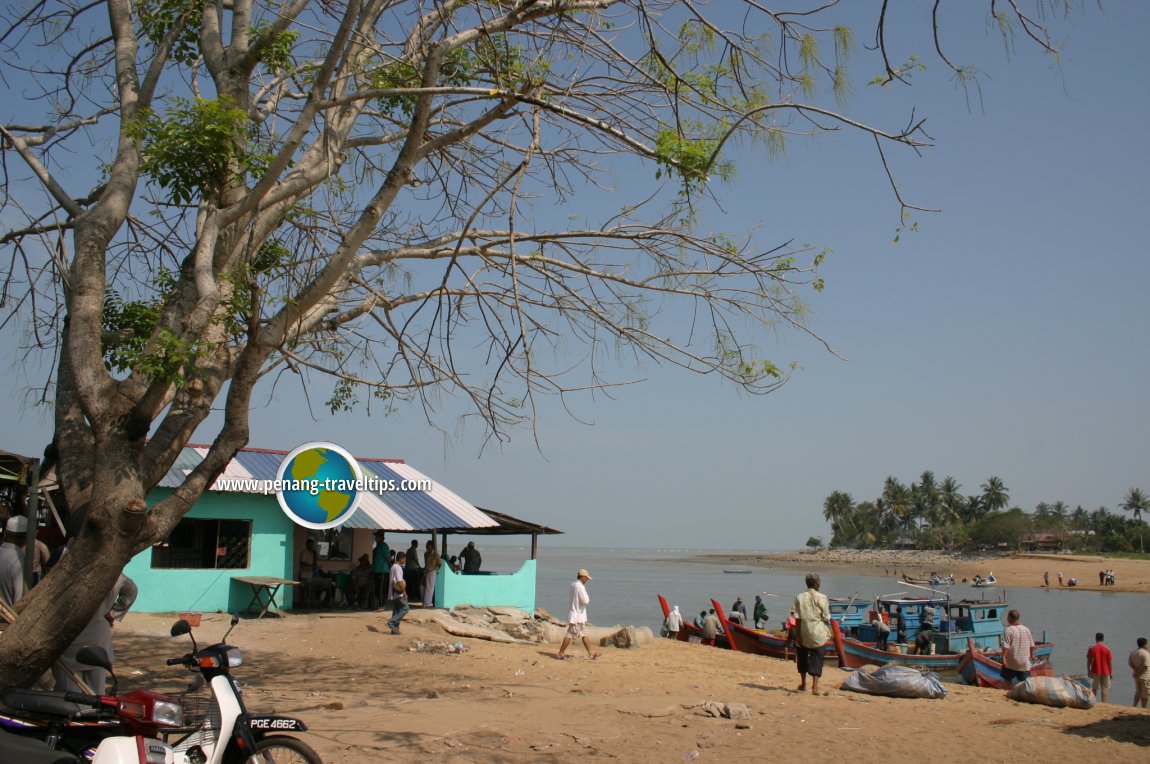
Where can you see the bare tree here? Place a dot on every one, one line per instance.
(209, 194)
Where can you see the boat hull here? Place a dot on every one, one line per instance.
(760, 642)
(856, 655)
(692, 633)
(980, 669)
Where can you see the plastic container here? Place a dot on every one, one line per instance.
(193, 619)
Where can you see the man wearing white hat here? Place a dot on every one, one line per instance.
(12, 560)
(577, 616)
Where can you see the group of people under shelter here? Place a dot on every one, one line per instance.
(366, 586)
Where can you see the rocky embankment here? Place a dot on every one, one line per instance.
(872, 561)
(911, 559)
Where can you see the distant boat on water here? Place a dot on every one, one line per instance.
(737, 570)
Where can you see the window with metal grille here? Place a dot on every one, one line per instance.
(205, 543)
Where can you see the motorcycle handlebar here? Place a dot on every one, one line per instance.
(179, 661)
(83, 700)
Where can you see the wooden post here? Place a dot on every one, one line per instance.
(31, 510)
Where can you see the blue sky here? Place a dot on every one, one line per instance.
(1007, 337)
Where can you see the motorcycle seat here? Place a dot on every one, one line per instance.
(44, 703)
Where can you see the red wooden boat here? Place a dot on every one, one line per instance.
(761, 642)
(692, 633)
(983, 670)
(754, 641)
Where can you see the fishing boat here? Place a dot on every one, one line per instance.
(769, 642)
(755, 641)
(980, 620)
(736, 570)
(984, 583)
(888, 607)
(851, 613)
(692, 633)
(965, 621)
(978, 668)
(854, 654)
(928, 582)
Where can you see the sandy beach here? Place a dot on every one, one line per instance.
(368, 696)
(1012, 570)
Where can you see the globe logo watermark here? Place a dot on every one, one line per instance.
(318, 485)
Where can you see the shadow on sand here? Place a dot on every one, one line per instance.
(1125, 728)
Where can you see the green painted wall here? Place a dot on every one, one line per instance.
(514, 590)
(208, 591)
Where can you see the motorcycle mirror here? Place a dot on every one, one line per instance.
(235, 620)
(181, 627)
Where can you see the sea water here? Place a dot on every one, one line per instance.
(625, 584)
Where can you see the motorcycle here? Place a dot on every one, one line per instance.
(229, 734)
(26, 750)
(99, 729)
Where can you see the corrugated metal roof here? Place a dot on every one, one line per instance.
(393, 510)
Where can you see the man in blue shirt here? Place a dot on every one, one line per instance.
(380, 566)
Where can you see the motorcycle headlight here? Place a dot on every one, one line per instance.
(168, 712)
(235, 657)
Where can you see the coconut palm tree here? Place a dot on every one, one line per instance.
(926, 499)
(897, 500)
(973, 509)
(994, 494)
(865, 522)
(837, 511)
(1080, 518)
(1135, 502)
(951, 502)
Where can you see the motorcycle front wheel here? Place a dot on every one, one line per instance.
(281, 749)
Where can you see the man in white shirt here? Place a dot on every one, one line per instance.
(397, 593)
(577, 616)
(1018, 649)
(12, 560)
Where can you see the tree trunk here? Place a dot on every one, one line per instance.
(52, 613)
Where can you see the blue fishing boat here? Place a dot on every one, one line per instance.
(852, 614)
(888, 606)
(961, 623)
(979, 620)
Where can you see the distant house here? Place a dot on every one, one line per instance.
(1042, 542)
(231, 534)
(906, 543)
